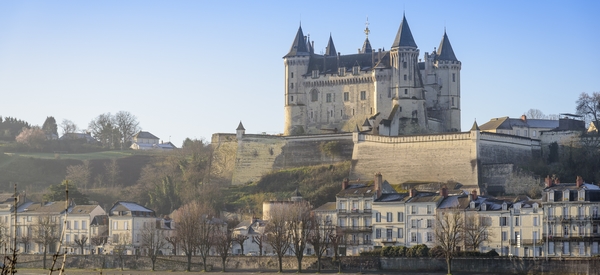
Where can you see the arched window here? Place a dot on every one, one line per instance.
(314, 95)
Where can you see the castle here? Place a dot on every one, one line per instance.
(390, 92)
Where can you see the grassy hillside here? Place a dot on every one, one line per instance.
(317, 184)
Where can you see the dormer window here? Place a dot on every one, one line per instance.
(581, 195)
(341, 71)
(504, 206)
(472, 205)
(355, 70)
(566, 195)
(551, 195)
(315, 74)
(483, 207)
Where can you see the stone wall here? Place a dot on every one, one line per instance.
(493, 177)
(433, 158)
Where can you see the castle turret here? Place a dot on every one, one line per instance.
(296, 65)
(448, 71)
(240, 131)
(406, 77)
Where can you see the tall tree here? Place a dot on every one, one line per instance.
(535, 114)
(68, 127)
(206, 233)
(80, 175)
(50, 126)
(113, 172)
(46, 233)
(588, 105)
(81, 242)
(300, 226)
(476, 230)
(187, 220)
(277, 232)
(449, 228)
(57, 193)
(121, 242)
(104, 129)
(320, 232)
(153, 240)
(223, 238)
(128, 126)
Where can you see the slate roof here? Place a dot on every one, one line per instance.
(393, 197)
(147, 135)
(328, 206)
(129, 206)
(445, 51)
(330, 49)
(404, 37)
(299, 45)
(83, 209)
(99, 220)
(506, 123)
(366, 48)
(426, 197)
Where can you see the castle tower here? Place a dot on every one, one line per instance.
(407, 84)
(296, 65)
(448, 73)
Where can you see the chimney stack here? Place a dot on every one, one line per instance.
(378, 183)
(556, 181)
(413, 192)
(523, 117)
(473, 195)
(444, 192)
(579, 181)
(548, 181)
(345, 184)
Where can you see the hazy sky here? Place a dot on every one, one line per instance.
(194, 68)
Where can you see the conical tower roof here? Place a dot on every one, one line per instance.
(367, 46)
(240, 126)
(330, 50)
(475, 127)
(445, 51)
(309, 46)
(299, 45)
(404, 38)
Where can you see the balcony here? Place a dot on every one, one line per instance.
(356, 228)
(358, 242)
(354, 211)
(565, 218)
(573, 237)
(389, 240)
(526, 241)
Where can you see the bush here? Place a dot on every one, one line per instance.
(374, 252)
(492, 253)
(436, 251)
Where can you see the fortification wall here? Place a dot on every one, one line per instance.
(435, 158)
(498, 148)
(223, 158)
(257, 155)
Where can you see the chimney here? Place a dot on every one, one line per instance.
(548, 181)
(523, 117)
(413, 192)
(378, 182)
(579, 181)
(473, 195)
(444, 192)
(345, 184)
(556, 181)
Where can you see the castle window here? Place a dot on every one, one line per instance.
(311, 114)
(390, 93)
(533, 133)
(352, 111)
(405, 91)
(315, 74)
(331, 113)
(341, 71)
(405, 78)
(292, 85)
(453, 77)
(525, 133)
(518, 131)
(346, 96)
(404, 65)
(314, 95)
(363, 95)
(355, 70)
(292, 98)
(341, 113)
(328, 97)
(292, 75)
(452, 101)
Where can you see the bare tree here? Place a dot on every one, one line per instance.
(449, 228)
(320, 236)
(261, 240)
(476, 230)
(337, 239)
(46, 233)
(80, 174)
(81, 242)
(112, 172)
(206, 232)
(277, 232)
(127, 125)
(120, 246)
(523, 183)
(68, 127)
(187, 220)
(223, 238)
(103, 128)
(300, 226)
(153, 240)
(174, 242)
(535, 114)
(589, 107)
(240, 239)
(33, 137)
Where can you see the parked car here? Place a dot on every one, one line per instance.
(252, 253)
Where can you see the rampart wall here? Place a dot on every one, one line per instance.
(434, 158)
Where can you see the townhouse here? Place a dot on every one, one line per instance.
(127, 221)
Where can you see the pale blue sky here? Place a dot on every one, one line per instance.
(194, 68)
